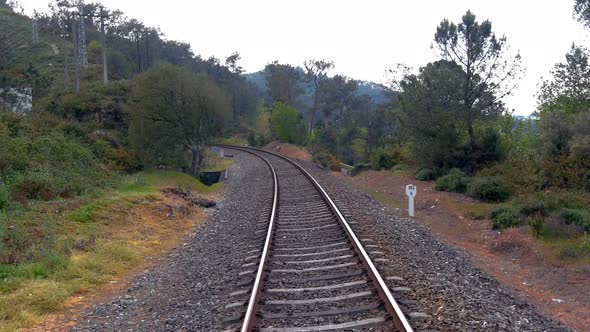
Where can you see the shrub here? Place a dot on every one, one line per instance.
(382, 160)
(287, 124)
(577, 250)
(489, 189)
(454, 182)
(532, 207)
(125, 160)
(13, 155)
(505, 218)
(327, 159)
(577, 217)
(4, 198)
(252, 140)
(496, 211)
(536, 225)
(425, 174)
(257, 141)
(35, 186)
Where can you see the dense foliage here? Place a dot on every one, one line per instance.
(163, 104)
(175, 111)
(287, 124)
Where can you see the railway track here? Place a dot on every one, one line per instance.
(310, 272)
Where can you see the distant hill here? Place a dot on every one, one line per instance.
(375, 90)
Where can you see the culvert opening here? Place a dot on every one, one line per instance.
(210, 178)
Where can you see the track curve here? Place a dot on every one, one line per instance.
(313, 273)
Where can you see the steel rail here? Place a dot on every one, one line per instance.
(400, 320)
(250, 316)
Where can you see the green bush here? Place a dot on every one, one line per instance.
(42, 158)
(577, 217)
(489, 189)
(382, 160)
(125, 160)
(532, 207)
(503, 218)
(454, 182)
(536, 224)
(326, 159)
(425, 174)
(498, 210)
(13, 154)
(4, 198)
(35, 186)
(287, 124)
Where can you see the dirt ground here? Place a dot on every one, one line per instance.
(513, 257)
(288, 150)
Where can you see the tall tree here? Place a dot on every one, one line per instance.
(231, 62)
(430, 102)
(489, 74)
(283, 83)
(582, 12)
(174, 111)
(316, 72)
(338, 95)
(287, 124)
(569, 90)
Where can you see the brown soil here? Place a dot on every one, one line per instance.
(514, 257)
(289, 150)
(154, 225)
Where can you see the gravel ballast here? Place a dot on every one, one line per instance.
(430, 276)
(188, 289)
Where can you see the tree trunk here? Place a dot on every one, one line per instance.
(471, 132)
(311, 122)
(196, 161)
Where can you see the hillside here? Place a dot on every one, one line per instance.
(374, 90)
(23, 63)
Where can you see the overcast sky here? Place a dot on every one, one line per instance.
(363, 38)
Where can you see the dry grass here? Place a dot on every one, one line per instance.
(475, 211)
(101, 241)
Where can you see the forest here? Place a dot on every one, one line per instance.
(163, 105)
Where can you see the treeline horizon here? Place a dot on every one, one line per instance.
(446, 120)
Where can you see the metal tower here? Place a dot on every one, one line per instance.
(82, 50)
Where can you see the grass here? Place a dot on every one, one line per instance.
(387, 200)
(237, 141)
(403, 169)
(476, 211)
(219, 166)
(150, 182)
(81, 244)
(561, 249)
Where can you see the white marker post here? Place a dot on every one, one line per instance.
(221, 153)
(411, 193)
